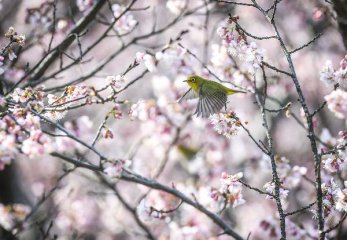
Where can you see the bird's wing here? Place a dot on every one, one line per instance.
(210, 101)
(190, 94)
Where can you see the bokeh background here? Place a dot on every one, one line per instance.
(155, 133)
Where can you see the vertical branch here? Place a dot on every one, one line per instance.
(311, 135)
(308, 116)
(271, 154)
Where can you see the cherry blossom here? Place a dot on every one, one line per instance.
(115, 169)
(249, 54)
(13, 214)
(117, 82)
(84, 5)
(327, 73)
(270, 188)
(150, 62)
(226, 124)
(336, 101)
(341, 200)
(126, 21)
(176, 6)
(36, 145)
(333, 164)
(230, 190)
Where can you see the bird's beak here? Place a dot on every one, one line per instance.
(185, 80)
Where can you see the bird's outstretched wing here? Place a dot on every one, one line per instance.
(211, 100)
(190, 94)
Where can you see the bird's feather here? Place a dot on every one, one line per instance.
(211, 100)
(190, 94)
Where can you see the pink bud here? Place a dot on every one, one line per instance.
(108, 134)
(317, 14)
(224, 175)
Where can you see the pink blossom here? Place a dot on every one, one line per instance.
(225, 123)
(12, 214)
(341, 200)
(37, 144)
(126, 22)
(107, 134)
(176, 6)
(14, 74)
(333, 164)
(270, 188)
(327, 73)
(139, 57)
(115, 169)
(117, 112)
(330, 190)
(337, 103)
(143, 110)
(84, 5)
(118, 82)
(341, 77)
(249, 54)
(150, 62)
(294, 176)
(318, 14)
(22, 96)
(230, 189)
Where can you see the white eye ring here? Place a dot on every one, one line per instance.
(193, 79)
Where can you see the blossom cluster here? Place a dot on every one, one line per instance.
(11, 216)
(226, 124)
(84, 5)
(174, 57)
(40, 16)
(230, 191)
(116, 82)
(58, 105)
(115, 169)
(269, 229)
(22, 131)
(15, 41)
(333, 152)
(334, 198)
(176, 6)
(236, 42)
(153, 121)
(289, 176)
(337, 99)
(125, 21)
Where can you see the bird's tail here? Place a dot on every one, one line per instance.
(232, 91)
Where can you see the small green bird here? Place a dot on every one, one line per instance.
(212, 95)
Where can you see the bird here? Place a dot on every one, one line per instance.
(212, 95)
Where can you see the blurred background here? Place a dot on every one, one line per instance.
(157, 44)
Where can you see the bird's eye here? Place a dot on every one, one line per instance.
(193, 79)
